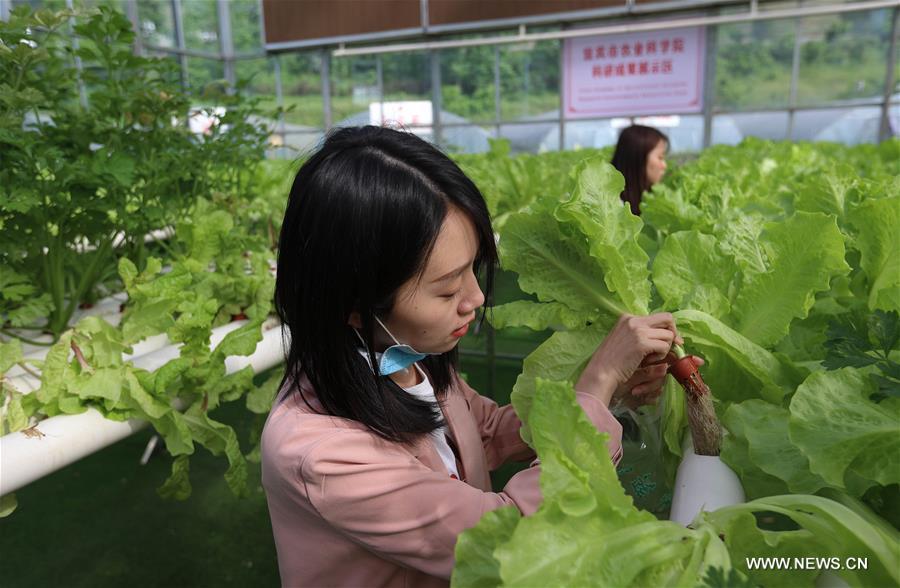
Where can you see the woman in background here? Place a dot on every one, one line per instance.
(640, 156)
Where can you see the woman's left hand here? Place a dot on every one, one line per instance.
(645, 386)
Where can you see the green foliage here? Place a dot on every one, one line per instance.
(856, 342)
(88, 176)
(587, 532)
(755, 261)
(94, 156)
(510, 184)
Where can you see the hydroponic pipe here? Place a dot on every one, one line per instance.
(58, 441)
(108, 310)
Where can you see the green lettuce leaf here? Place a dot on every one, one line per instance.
(835, 424)
(475, 549)
(555, 266)
(560, 358)
(690, 272)
(611, 231)
(878, 241)
(764, 428)
(537, 316)
(827, 529)
(804, 252)
(587, 530)
(766, 376)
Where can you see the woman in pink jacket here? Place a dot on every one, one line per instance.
(376, 455)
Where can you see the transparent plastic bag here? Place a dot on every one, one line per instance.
(642, 471)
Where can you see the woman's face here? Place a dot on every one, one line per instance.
(433, 311)
(656, 163)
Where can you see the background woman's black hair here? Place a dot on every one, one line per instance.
(630, 158)
(363, 215)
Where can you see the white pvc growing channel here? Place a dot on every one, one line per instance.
(65, 439)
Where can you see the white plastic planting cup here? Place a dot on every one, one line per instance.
(703, 482)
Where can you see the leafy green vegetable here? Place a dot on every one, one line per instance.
(586, 524)
(612, 232)
(755, 261)
(835, 424)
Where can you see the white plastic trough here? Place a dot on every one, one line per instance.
(67, 438)
(108, 310)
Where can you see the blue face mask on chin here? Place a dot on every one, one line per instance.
(396, 357)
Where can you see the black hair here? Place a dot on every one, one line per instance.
(362, 218)
(630, 158)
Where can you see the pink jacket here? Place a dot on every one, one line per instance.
(351, 509)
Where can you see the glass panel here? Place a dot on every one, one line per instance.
(118, 5)
(201, 30)
(467, 83)
(37, 5)
(685, 132)
(204, 77)
(841, 125)
(593, 133)
(301, 80)
(843, 57)
(246, 31)
(354, 85)
(157, 24)
(406, 79)
(894, 119)
(753, 65)
(461, 139)
(258, 75)
(294, 143)
(896, 90)
(406, 76)
(730, 129)
(536, 137)
(529, 80)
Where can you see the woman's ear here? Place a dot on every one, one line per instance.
(354, 320)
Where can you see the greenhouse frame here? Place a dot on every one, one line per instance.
(860, 111)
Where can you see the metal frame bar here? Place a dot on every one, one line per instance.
(561, 93)
(884, 129)
(550, 121)
(79, 66)
(497, 110)
(379, 81)
(236, 56)
(131, 10)
(365, 38)
(795, 76)
(326, 88)
(423, 15)
(226, 41)
(437, 102)
(279, 99)
(178, 26)
(709, 83)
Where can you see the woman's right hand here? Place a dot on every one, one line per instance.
(628, 344)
